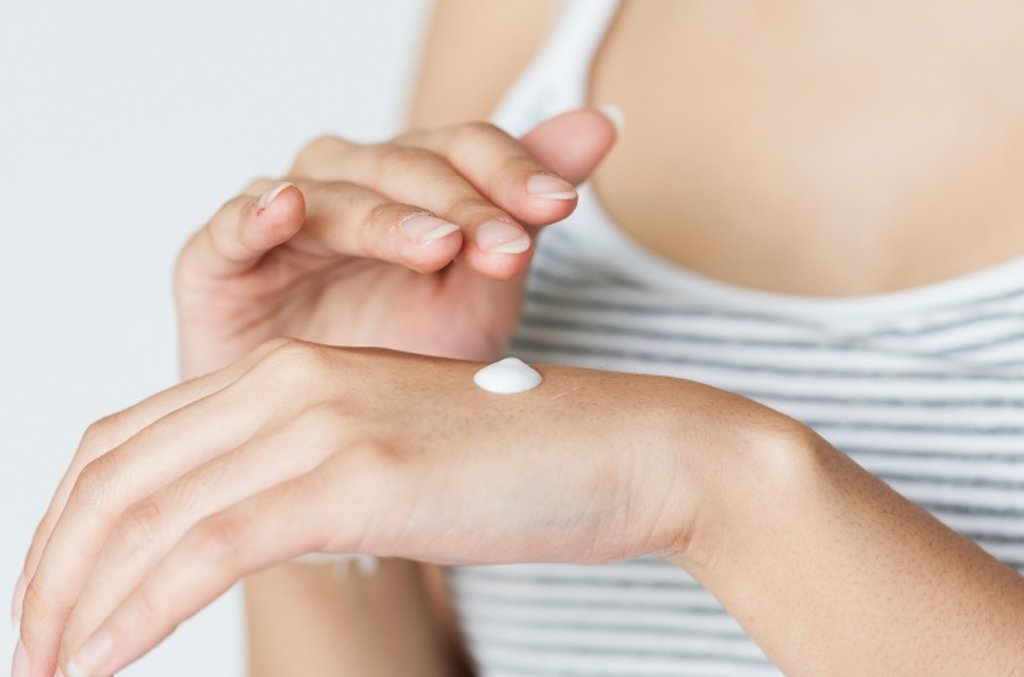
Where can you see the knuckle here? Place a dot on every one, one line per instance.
(41, 536)
(37, 612)
(218, 538)
(294, 359)
(314, 153)
(322, 416)
(343, 193)
(139, 528)
(401, 160)
(270, 345)
(387, 215)
(472, 133)
(100, 435)
(95, 484)
(143, 611)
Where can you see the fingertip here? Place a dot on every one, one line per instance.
(433, 255)
(544, 199)
(276, 215)
(499, 266)
(573, 143)
(428, 243)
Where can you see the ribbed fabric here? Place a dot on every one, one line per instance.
(924, 388)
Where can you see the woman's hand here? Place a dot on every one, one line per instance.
(304, 448)
(417, 244)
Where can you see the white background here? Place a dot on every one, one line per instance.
(124, 124)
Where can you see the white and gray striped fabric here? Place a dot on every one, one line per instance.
(924, 388)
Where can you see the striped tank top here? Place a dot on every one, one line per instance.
(922, 387)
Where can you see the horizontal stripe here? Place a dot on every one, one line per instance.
(621, 581)
(645, 310)
(678, 338)
(967, 509)
(983, 482)
(544, 598)
(946, 325)
(1012, 338)
(645, 622)
(526, 664)
(919, 454)
(819, 344)
(1013, 431)
(746, 367)
(606, 650)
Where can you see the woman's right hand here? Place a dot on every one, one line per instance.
(418, 244)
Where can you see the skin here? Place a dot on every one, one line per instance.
(912, 597)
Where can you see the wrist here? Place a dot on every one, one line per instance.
(752, 463)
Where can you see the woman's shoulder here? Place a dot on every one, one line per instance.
(472, 52)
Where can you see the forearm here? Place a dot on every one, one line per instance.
(832, 572)
(307, 620)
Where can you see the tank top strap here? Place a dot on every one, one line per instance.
(557, 77)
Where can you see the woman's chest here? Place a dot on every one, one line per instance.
(818, 148)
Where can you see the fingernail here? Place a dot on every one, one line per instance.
(18, 599)
(20, 667)
(267, 196)
(426, 227)
(91, 656)
(59, 673)
(367, 565)
(551, 187)
(614, 113)
(502, 237)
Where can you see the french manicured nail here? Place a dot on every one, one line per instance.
(20, 666)
(426, 227)
(267, 196)
(91, 656)
(614, 113)
(17, 600)
(502, 237)
(551, 187)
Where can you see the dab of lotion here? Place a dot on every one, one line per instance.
(507, 376)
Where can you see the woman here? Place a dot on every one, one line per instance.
(820, 211)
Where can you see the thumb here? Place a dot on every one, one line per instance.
(572, 144)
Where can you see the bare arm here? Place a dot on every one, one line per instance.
(832, 572)
(302, 619)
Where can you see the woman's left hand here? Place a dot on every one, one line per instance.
(302, 448)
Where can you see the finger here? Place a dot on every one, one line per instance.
(149, 529)
(501, 169)
(280, 524)
(533, 178)
(114, 430)
(110, 483)
(494, 243)
(571, 145)
(346, 219)
(574, 143)
(244, 230)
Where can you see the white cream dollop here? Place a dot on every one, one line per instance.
(510, 375)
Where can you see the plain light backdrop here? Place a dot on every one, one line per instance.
(124, 124)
